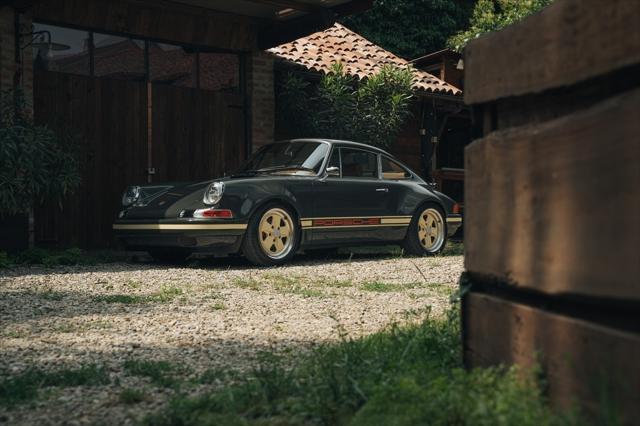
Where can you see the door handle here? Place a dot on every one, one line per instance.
(382, 189)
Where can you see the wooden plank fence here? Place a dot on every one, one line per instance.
(552, 202)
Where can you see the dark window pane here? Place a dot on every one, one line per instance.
(172, 64)
(393, 170)
(66, 51)
(118, 57)
(219, 71)
(357, 163)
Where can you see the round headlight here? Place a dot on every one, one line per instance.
(130, 196)
(213, 193)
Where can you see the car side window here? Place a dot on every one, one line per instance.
(359, 163)
(392, 170)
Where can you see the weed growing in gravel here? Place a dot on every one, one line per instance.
(133, 284)
(52, 295)
(406, 375)
(26, 386)
(160, 372)
(166, 294)
(381, 287)
(246, 283)
(132, 396)
(5, 262)
(127, 299)
(218, 306)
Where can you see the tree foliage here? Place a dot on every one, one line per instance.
(341, 107)
(493, 15)
(411, 28)
(35, 163)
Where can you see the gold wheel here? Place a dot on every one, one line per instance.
(275, 233)
(431, 229)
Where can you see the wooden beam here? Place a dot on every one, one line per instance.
(580, 361)
(554, 207)
(291, 4)
(568, 42)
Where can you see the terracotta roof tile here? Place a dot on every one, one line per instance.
(360, 57)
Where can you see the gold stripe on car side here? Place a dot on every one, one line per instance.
(454, 220)
(178, 227)
(383, 221)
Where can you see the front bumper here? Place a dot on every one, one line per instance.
(196, 235)
(454, 221)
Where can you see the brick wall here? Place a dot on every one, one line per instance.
(262, 99)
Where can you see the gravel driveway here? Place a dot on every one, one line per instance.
(207, 323)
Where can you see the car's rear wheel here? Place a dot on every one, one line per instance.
(170, 255)
(272, 236)
(427, 233)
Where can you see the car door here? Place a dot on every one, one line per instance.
(350, 202)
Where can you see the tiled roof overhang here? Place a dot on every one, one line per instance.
(360, 58)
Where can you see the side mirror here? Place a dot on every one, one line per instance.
(333, 171)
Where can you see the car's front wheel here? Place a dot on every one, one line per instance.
(427, 234)
(272, 236)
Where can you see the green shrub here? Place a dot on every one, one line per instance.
(403, 376)
(26, 386)
(372, 110)
(5, 262)
(36, 163)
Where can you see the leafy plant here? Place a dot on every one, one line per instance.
(36, 164)
(406, 375)
(411, 28)
(493, 15)
(371, 110)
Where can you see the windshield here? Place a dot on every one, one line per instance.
(288, 156)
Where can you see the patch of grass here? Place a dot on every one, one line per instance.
(26, 386)
(453, 248)
(52, 295)
(5, 262)
(381, 287)
(127, 299)
(292, 285)
(332, 282)
(166, 294)
(406, 375)
(133, 284)
(132, 396)
(219, 306)
(246, 283)
(161, 373)
(216, 375)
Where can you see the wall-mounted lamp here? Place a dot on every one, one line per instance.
(41, 40)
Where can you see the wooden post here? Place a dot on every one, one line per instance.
(552, 205)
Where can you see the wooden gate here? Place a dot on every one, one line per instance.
(194, 135)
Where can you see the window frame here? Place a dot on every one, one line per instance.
(340, 148)
(402, 166)
(242, 55)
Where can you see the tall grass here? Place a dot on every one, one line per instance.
(406, 375)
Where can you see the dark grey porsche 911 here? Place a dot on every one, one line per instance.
(299, 194)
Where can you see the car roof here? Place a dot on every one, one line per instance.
(342, 142)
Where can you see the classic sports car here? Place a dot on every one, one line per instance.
(299, 194)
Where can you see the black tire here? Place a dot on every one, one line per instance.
(170, 255)
(412, 242)
(255, 240)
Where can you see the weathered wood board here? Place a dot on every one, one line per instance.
(568, 42)
(556, 207)
(581, 361)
